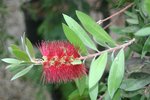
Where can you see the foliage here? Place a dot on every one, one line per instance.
(49, 14)
(4, 36)
(126, 80)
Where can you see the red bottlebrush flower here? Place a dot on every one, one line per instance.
(57, 66)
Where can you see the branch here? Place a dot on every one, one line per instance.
(108, 50)
(38, 61)
(108, 25)
(113, 15)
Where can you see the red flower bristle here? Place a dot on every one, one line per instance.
(57, 66)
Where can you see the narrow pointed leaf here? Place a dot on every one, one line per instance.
(143, 32)
(11, 60)
(14, 47)
(107, 96)
(11, 66)
(131, 14)
(23, 72)
(80, 32)
(74, 39)
(28, 53)
(21, 55)
(147, 6)
(116, 73)
(132, 21)
(117, 95)
(96, 30)
(30, 48)
(74, 95)
(97, 69)
(16, 67)
(146, 47)
(81, 84)
(23, 40)
(100, 42)
(94, 92)
(134, 84)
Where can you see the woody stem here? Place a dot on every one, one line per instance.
(113, 15)
(108, 50)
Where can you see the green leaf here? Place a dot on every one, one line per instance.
(80, 32)
(76, 96)
(137, 47)
(146, 47)
(81, 84)
(21, 55)
(23, 41)
(94, 92)
(147, 6)
(120, 3)
(11, 60)
(23, 72)
(131, 14)
(96, 30)
(116, 73)
(102, 87)
(14, 47)
(107, 96)
(116, 29)
(11, 66)
(143, 32)
(129, 29)
(14, 66)
(97, 69)
(117, 95)
(100, 42)
(134, 84)
(132, 21)
(129, 94)
(74, 39)
(30, 48)
(73, 95)
(124, 30)
(76, 62)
